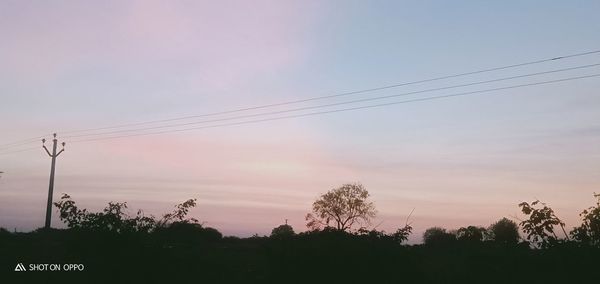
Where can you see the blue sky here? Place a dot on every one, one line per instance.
(458, 161)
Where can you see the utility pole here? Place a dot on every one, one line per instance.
(51, 186)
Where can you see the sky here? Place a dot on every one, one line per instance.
(458, 161)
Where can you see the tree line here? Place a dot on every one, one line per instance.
(341, 245)
(345, 209)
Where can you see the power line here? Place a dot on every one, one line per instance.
(21, 142)
(334, 104)
(346, 109)
(341, 94)
(19, 151)
(319, 97)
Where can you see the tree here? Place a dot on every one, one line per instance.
(540, 225)
(187, 233)
(589, 231)
(437, 236)
(504, 231)
(282, 231)
(111, 219)
(470, 234)
(401, 235)
(179, 214)
(114, 219)
(343, 207)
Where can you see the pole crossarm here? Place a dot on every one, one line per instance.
(44, 146)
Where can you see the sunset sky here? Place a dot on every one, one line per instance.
(70, 65)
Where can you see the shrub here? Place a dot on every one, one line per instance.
(437, 236)
(114, 218)
(504, 231)
(589, 231)
(540, 225)
(470, 234)
(284, 230)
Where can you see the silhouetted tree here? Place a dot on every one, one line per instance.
(114, 219)
(4, 234)
(437, 236)
(179, 214)
(284, 230)
(187, 232)
(111, 219)
(373, 235)
(343, 207)
(589, 231)
(504, 231)
(141, 222)
(177, 227)
(540, 225)
(470, 234)
(401, 235)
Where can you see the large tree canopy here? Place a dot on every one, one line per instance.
(341, 208)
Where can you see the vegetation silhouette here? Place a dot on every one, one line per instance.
(343, 207)
(282, 231)
(438, 236)
(540, 225)
(118, 247)
(589, 230)
(471, 234)
(504, 231)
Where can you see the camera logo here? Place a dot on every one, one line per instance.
(20, 267)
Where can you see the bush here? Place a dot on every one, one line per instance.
(504, 231)
(282, 231)
(438, 236)
(470, 234)
(589, 231)
(183, 232)
(540, 225)
(114, 219)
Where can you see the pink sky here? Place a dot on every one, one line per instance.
(458, 162)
